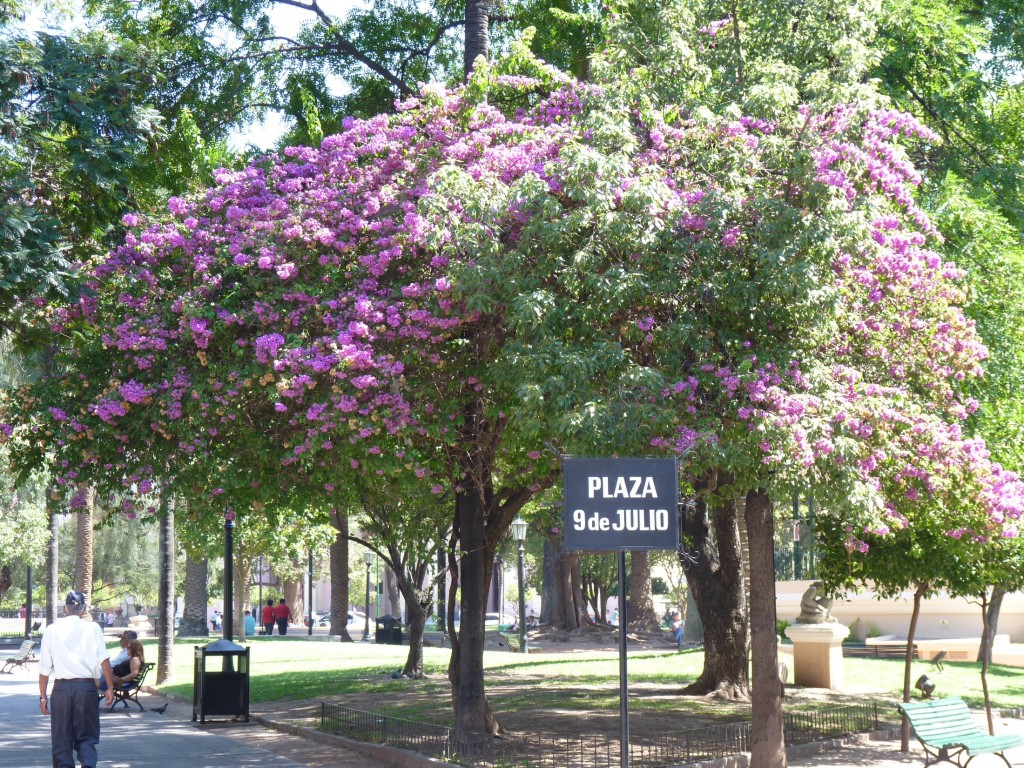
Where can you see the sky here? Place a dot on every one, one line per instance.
(287, 21)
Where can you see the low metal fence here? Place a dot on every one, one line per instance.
(598, 750)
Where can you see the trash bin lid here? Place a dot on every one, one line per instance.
(388, 620)
(223, 646)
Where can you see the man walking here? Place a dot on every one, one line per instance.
(73, 653)
(267, 618)
(283, 614)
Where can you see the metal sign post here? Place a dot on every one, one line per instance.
(620, 505)
(623, 678)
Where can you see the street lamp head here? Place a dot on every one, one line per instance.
(519, 529)
(368, 558)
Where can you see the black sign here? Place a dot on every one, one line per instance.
(613, 504)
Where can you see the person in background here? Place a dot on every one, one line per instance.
(249, 624)
(267, 618)
(122, 656)
(73, 654)
(128, 670)
(283, 615)
(23, 611)
(677, 629)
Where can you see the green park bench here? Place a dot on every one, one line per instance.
(130, 691)
(948, 733)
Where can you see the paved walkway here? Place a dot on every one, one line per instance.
(886, 753)
(170, 739)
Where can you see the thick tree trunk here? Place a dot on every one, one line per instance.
(244, 559)
(767, 748)
(991, 625)
(570, 608)
(477, 34)
(410, 578)
(693, 630)
(716, 583)
(915, 614)
(197, 597)
(394, 593)
(83, 544)
(641, 602)
(293, 596)
(165, 627)
(416, 621)
(339, 576)
(474, 568)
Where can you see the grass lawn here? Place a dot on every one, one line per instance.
(551, 684)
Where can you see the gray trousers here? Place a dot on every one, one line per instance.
(74, 723)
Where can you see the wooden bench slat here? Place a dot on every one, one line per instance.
(21, 658)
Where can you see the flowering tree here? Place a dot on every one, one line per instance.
(530, 259)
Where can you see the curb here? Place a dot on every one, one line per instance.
(399, 757)
(394, 755)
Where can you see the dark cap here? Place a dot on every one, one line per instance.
(75, 599)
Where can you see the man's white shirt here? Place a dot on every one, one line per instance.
(72, 648)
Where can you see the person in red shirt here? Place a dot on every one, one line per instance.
(282, 614)
(267, 618)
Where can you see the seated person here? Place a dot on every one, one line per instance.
(126, 637)
(126, 671)
(677, 626)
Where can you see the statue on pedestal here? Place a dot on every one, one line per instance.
(815, 608)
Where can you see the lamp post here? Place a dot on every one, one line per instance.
(368, 559)
(519, 535)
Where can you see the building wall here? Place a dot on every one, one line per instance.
(941, 617)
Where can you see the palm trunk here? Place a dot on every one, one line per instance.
(83, 544)
(165, 626)
(767, 748)
(197, 597)
(52, 563)
(477, 34)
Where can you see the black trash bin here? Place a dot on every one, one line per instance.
(389, 631)
(221, 683)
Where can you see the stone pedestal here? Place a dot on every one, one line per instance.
(141, 625)
(818, 654)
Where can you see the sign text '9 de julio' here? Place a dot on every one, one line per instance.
(621, 504)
